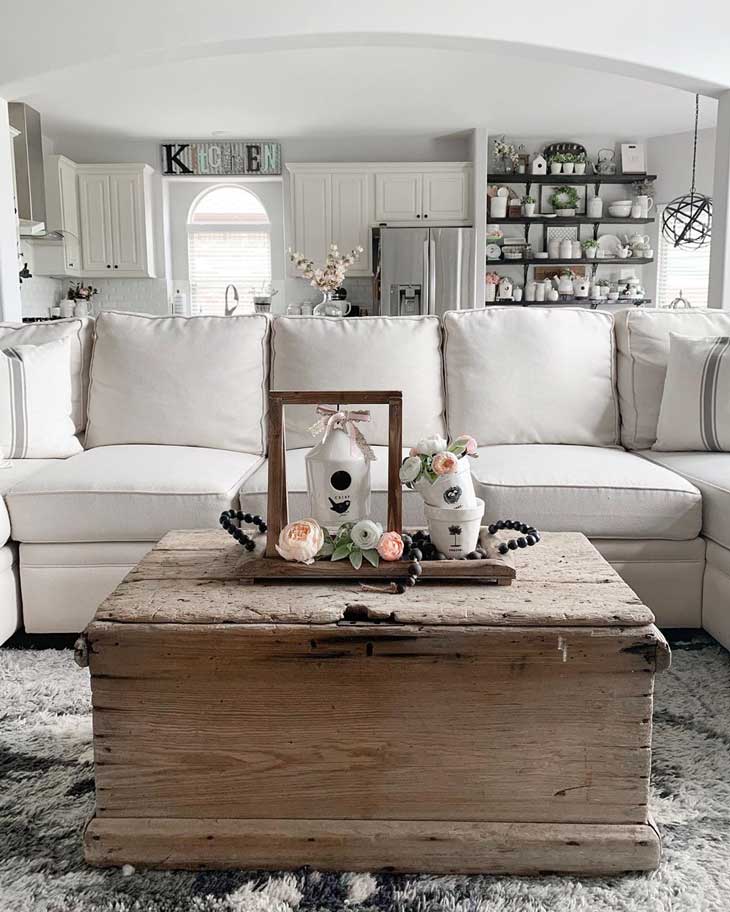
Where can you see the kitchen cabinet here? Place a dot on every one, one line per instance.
(116, 223)
(62, 216)
(312, 199)
(446, 196)
(351, 212)
(398, 196)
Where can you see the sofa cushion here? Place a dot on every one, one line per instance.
(127, 493)
(198, 381)
(604, 493)
(13, 471)
(525, 375)
(710, 472)
(642, 339)
(80, 332)
(370, 353)
(253, 491)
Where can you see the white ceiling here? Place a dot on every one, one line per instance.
(357, 89)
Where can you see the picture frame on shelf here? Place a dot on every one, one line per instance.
(633, 158)
(546, 191)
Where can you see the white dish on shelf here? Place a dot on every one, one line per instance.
(565, 213)
(494, 251)
(609, 246)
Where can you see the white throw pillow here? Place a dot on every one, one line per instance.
(35, 402)
(531, 375)
(80, 330)
(179, 381)
(695, 409)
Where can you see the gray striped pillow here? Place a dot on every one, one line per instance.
(695, 409)
(35, 402)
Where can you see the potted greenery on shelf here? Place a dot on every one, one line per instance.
(528, 205)
(556, 163)
(564, 200)
(590, 248)
(579, 160)
(568, 162)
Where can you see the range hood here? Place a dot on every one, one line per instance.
(30, 187)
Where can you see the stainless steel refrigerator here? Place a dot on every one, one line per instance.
(426, 270)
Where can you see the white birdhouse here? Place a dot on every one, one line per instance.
(338, 479)
(539, 164)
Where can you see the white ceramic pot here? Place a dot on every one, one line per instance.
(498, 207)
(580, 167)
(553, 295)
(528, 209)
(539, 291)
(455, 532)
(530, 291)
(517, 294)
(566, 249)
(577, 250)
(449, 492)
(568, 167)
(338, 480)
(595, 207)
(553, 249)
(591, 252)
(556, 167)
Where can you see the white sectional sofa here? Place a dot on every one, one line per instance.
(172, 412)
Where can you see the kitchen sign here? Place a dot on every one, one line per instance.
(214, 159)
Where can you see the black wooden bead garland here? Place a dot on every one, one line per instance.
(228, 519)
(529, 537)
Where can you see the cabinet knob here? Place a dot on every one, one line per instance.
(115, 266)
(418, 216)
(108, 265)
(425, 216)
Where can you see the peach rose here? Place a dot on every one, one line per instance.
(301, 541)
(390, 546)
(467, 442)
(444, 463)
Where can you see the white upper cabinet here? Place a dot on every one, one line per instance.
(312, 201)
(398, 196)
(351, 213)
(116, 223)
(446, 196)
(62, 215)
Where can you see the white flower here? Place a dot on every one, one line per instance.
(301, 541)
(428, 446)
(366, 534)
(410, 469)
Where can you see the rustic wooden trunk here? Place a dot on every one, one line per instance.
(458, 728)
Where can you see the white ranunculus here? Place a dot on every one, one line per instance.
(428, 446)
(366, 534)
(300, 541)
(410, 469)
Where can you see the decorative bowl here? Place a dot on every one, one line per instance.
(620, 210)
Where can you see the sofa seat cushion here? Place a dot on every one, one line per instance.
(604, 493)
(127, 493)
(12, 472)
(710, 472)
(253, 491)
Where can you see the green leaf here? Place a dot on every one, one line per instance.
(372, 556)
(342, 551)
(327, 549)
(356, 558)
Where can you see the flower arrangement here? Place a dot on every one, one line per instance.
(79, 292)
(494, 233)
(432, 458)
(332, 274)
(492, 278)
(589, 244)
(306, 541)
(503, 149)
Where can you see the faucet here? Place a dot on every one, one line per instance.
(229, 310)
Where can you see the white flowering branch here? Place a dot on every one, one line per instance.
(332, 274)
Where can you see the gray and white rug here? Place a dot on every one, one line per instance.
(46, 794)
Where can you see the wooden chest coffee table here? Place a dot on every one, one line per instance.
(458, 728)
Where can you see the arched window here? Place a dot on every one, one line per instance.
(229, 241)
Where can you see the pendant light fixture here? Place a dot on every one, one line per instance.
(687, 220)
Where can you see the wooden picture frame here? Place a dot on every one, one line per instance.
(278, 507)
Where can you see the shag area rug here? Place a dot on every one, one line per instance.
(46, 794)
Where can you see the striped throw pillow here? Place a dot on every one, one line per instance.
(35, 402)
(695, 409)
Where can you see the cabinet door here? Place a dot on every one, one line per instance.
(446, 196)
(128, 223)
(96, 244)
(69, 205)
(398, 196)
(351, 212)
(312, 221)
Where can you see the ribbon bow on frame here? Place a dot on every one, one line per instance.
(331, 417)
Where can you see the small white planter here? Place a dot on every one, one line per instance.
(568, 167)
(455, 533)
(591, 252)
(580, 167)
(449, 492)
(556, 167)
(528, 209)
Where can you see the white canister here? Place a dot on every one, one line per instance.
(595, 207)
(455, 532)
(595, 291)
(449, 492)
(498, 207)
(636, 210)
(517, 293)
(576, 250)
(338, 480)
(67, 308)
(530, 291)
(490, 292)
(566, 249)
(539, 291)
(553, 249)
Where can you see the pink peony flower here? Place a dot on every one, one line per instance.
(390, 546)
(444, 463)
(300, 541)
(413, 451)
(469, 443)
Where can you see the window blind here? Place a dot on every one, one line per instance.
(687, 271)
(219, 258)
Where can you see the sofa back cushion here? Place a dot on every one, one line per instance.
(80, 332)
(642, 338)
(537, 375)
(369, 353)
(197, 381)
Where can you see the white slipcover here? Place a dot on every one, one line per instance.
(531, 375)
(127, 493)
(642, 339)
(710, 472)
(370, 353)
(14, 471)
(198, 381)
(604, 493)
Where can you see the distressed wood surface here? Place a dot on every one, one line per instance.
(379, 723)
(378, 846)
(194, 577)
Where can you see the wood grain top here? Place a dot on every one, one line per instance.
(194, 577)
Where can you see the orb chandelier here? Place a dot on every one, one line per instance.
(687, 220)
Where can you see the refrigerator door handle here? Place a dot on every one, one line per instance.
(432, 277)
(426, 286)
